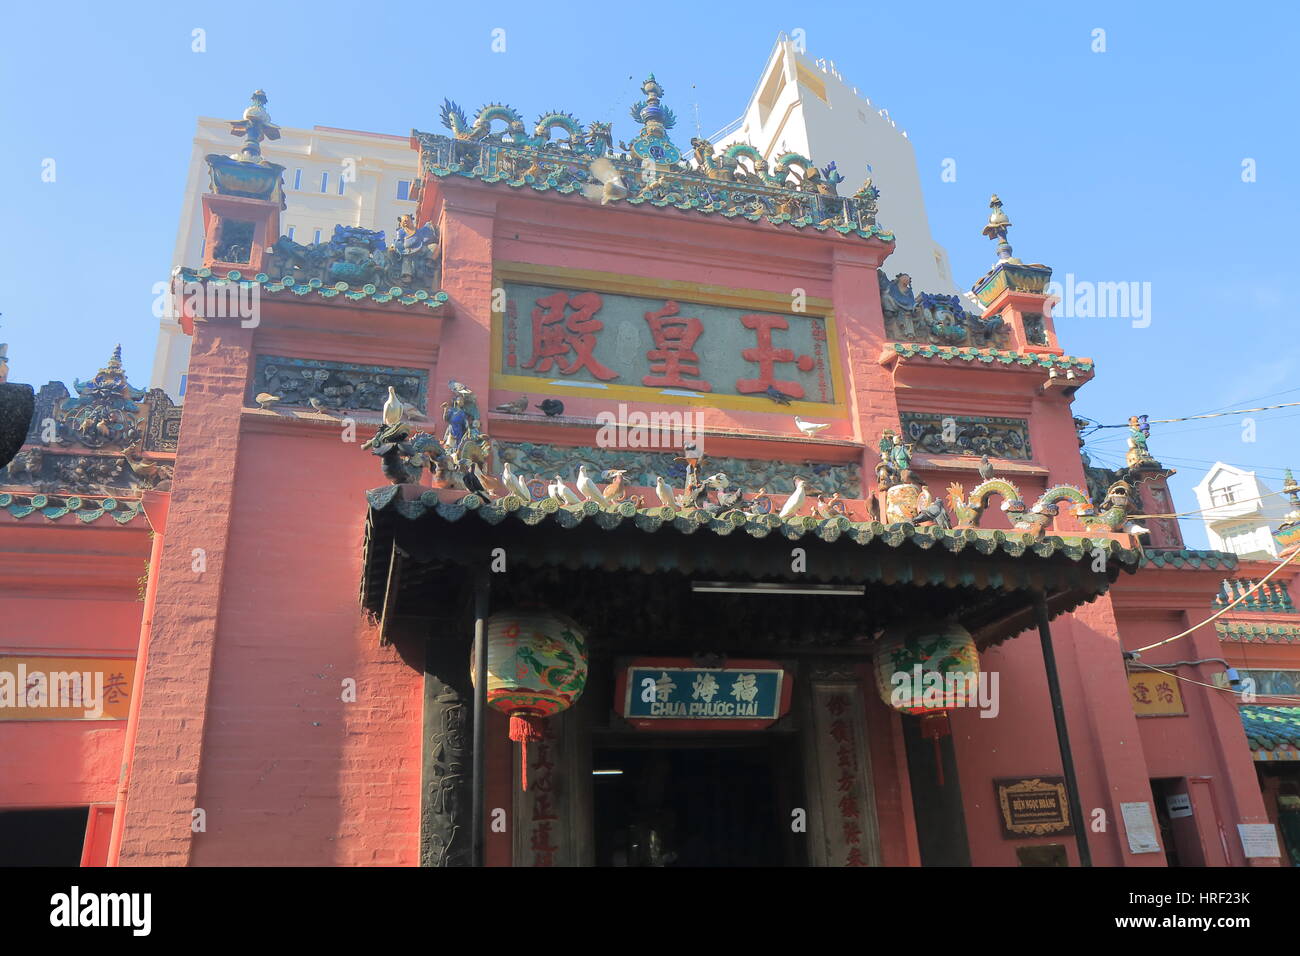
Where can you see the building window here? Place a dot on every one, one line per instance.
(317, 239)
(403, 189)
(325, 182)
(1224, 496)
(341, 182)
(185, 379)
(297, 179)
(290, 233)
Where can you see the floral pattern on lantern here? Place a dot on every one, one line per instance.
(940, 662)
(536, 668)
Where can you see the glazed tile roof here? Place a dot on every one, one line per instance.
(287, 285)
(549, 511)
(948, 353)
(1272, 732)
(83, 508)
(1183, 558)
(986, 575)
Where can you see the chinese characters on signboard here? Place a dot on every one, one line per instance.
(65, 688)
(597, 339)
(1033, 806)
(664, 694)
(1155, 694)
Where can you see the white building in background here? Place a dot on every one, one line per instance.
(331, 177)
(804, 106)
(1237, 514)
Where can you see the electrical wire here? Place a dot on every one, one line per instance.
(1226, 690)
(1226, 608)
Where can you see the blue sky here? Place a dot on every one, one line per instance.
(1117, 166)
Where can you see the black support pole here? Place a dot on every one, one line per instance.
(1062, 734)
(478, 814)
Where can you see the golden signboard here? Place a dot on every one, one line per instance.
(1155, 694)
(1033, 806)
(65, 688)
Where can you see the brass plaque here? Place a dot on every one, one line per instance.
(1032, 806)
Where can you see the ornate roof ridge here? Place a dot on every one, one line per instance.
(949, 353)
(86, 508)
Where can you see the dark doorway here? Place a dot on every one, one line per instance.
(693, 803)
(42, 837)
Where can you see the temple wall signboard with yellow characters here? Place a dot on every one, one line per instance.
(65, 688)
(598, 335)
(1155, 694)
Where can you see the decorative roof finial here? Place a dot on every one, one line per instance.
(653, 145)
(254, 127)
(997, 227)
(1292, 490)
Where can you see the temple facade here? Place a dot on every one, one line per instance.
(621, 507)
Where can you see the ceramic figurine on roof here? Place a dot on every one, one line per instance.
(997, 227)
(1138, 455)
(105, 411)
(933, 319)
(247, 173)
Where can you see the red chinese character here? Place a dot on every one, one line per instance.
(672, 357)
(852, 832)
(845, 758)
(1141, 693)
(837, 704)
(845, 783)
(855, 857)
(543, 808)
(766, 356)
(840, 731)
(848, 806)
(555, 337)
(1165, 692)
(543, 850)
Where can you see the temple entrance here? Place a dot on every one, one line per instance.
(685, 801)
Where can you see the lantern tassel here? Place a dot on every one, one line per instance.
(525, 727)
(935, 726)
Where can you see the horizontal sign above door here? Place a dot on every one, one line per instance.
(675, 694)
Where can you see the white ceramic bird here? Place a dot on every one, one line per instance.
(810, 428)
(612, 182)
(717, 481)
(664, 492)
(795, 501)
(266, 399)
(562, 492)
(392, 408)
(515, 482)
(589, 488)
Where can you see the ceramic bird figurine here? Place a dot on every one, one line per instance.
(986, 468)
(614, 490)
(515, 483)
(776, 395)
(810, 428)
(457, 388)
(718, 481)
(796, 500)
(392, 407)
(609, 182)
(490, 483)
(517, 407)
(265, 399)
(317, 404)
(551, 407)
(563, 493)
(588, 487)
(664, 491)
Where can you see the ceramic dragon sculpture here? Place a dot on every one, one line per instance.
(1037, 518)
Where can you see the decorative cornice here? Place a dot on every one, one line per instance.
(1269, 727)
(84, 509)
(288, 285)
(992, 357)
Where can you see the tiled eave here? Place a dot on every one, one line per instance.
(1273, 732)
(1243, 633)
(989, 573)
(316, 288)
(79, 507)
(988, 358)
(1184, 558)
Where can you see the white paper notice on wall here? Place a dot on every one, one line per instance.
(1179, 805)
(1259, 839)
(1140, 825)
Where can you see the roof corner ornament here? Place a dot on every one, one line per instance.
(997, 227)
